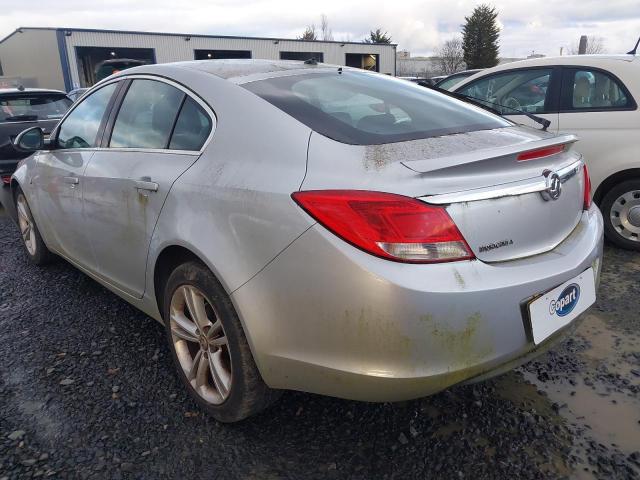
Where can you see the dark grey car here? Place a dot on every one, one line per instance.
(21, 108)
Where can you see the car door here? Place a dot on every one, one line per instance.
(152, 137)
(59, 179)
(532, 90)
(598, 107)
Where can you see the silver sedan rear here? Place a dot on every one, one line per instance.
(316, 228)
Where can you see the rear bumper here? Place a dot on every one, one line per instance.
(327, 318)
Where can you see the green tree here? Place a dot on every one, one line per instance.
(480, 35)
(378, 37)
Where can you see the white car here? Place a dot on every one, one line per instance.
(593, 96)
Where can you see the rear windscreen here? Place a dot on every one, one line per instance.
(33, 107)
(368, 109)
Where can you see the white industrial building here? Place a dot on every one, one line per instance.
(67, 58)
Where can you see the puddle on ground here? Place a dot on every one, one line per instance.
(611, 417)
(514, 388)
(610, 414)
(606, 412)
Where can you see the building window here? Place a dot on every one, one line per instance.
(317, 56)
(366, 61)
(96, 63)
(1, 72)
(220, 54)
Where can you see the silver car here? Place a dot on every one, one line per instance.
(315, 227)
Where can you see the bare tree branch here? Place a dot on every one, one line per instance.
(325, 31)
(595, 45)
(450, 56)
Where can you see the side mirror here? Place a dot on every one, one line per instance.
(29, 140)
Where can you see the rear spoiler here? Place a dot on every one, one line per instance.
(431, 164)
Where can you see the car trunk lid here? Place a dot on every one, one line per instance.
(495, 200)
(517, 201)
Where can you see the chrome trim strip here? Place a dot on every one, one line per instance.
(521, 187)
(569, 171)
(193, 153)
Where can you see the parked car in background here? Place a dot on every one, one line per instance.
(115, 65)
(21, 108)
(593, 96)
(448, 82)
(76, 93)
(315, 227)
(436, 79)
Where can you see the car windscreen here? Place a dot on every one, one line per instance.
(24, 107)
(369, 109)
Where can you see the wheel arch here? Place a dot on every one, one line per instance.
(170, 257)
(167, 261)
(14, 185)
(613, 180)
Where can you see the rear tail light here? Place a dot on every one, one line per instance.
(587, 189)
(6, 179)
(386, 225)
(540, 153)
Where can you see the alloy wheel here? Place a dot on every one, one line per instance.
(200, 344)
(625, 215)
(25, 221)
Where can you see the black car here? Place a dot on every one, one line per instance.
(21, 108)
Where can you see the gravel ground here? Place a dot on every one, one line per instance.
(87, 390)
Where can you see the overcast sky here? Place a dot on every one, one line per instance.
(418, 26)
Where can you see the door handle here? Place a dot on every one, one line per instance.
(146, 185)
(73, 181)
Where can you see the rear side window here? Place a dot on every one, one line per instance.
(147, 115)
(366, 109)
(30, 107)
(192, 127)
(585, 89)
(522, 89)
(80, 128)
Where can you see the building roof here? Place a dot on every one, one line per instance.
(187, 35)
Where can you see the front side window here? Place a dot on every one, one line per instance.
(365, 109)
(510, 91)
(147, 115)
(80, 128)
(25, 107)
(592, 89)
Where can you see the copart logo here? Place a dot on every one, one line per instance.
(566, 302)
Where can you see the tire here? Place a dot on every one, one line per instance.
(621, 212)
(236, 390)
(32, 241)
